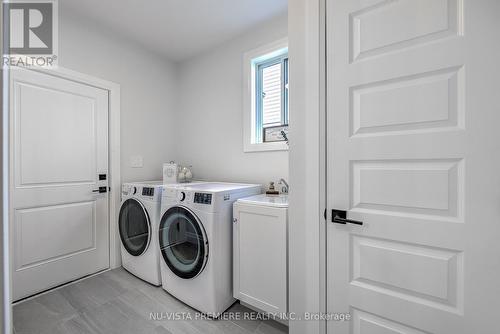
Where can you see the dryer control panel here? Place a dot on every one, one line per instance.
(147, 191)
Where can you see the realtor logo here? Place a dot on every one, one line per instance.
(30, 32)
(30, 28)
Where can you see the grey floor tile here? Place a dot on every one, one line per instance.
(222, 325)
(162, 330)
(243, 317)
(116, 317)
(55, 302)
(162, 297)
(271, 327)
(89, 293)
(77, 325)
(74, 325)
(122, 279)
(179, 327)
(146, 306)
(218, 327)
(32, 316)
(116, 302)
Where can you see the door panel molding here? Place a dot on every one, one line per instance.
(427, 21)
(366, 323)
(76, 245)
(430, 101)
(382, 186)
(438, 278)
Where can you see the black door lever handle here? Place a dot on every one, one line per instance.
(100, 190)
(339, 217)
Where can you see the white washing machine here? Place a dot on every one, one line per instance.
(195, 239)
(138, 225)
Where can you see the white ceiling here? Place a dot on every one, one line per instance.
(177, 29)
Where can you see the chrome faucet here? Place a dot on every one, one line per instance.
(285, 187)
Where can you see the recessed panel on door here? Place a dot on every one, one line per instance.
(49, 233)
(432, 188)
(417, 103)
(389, 25)
(57, 137)
(366, 323)
(411, 271)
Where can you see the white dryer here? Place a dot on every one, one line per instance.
(195, 239)
(138, 226)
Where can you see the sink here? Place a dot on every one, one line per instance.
(277, 201)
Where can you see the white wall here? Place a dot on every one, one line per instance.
(190, 112)
(209, 127)
(147, 90)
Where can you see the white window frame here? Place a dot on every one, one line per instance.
(250, 58)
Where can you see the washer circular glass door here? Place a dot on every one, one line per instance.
(183, 242)
(134, 226)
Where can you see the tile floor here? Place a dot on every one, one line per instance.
(118, 302)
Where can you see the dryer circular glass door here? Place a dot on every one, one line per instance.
(134, 226)
(183, 242)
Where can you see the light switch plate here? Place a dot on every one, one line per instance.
(136, 161)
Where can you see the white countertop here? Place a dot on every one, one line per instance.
(215, 186)
(277, 201)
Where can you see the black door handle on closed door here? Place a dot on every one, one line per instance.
(339, 217)
(100, 190)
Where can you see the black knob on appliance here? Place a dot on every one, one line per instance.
(181, 196)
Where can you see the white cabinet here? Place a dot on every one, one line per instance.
(260, 255)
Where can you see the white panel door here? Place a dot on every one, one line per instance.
(59, 146)
(414, 153)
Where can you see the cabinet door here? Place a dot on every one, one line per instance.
(260, 257)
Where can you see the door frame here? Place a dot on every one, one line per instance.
(114, 184)
(5, 297)
(307, 225)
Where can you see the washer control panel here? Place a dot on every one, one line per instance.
(203, 198)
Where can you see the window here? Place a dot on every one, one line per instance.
(266, 97)
(271, 79)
